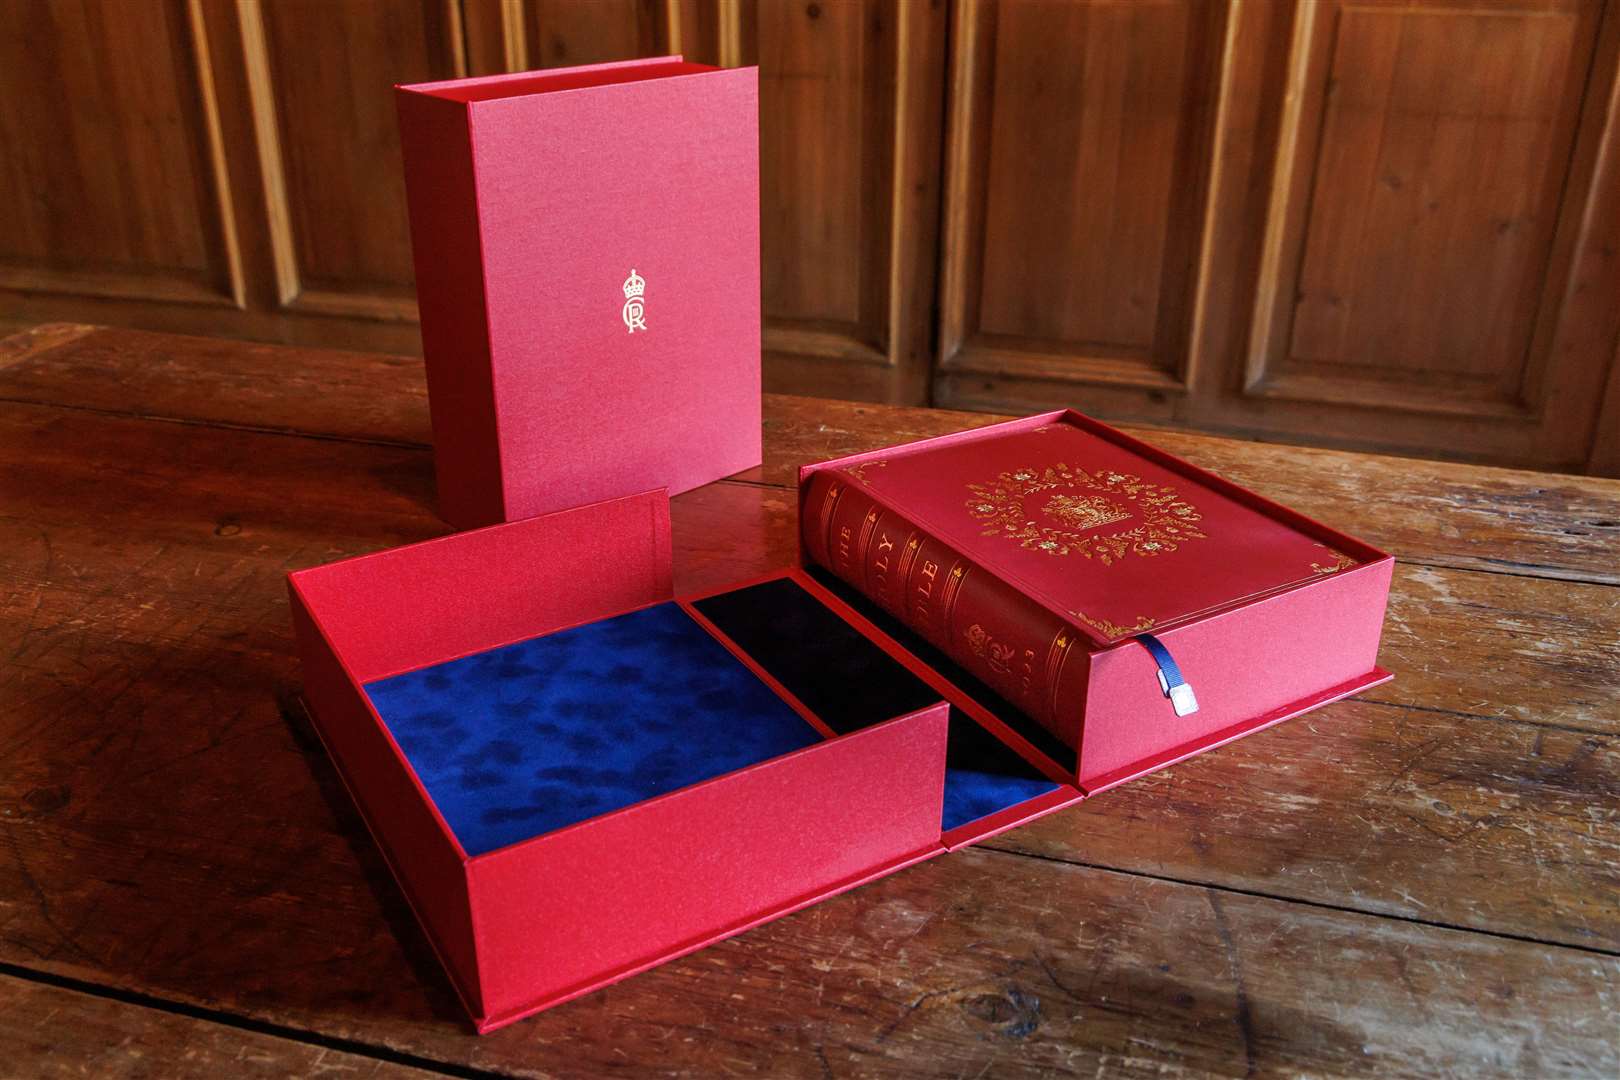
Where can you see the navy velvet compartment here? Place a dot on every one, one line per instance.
(823, 661)
(526, 738)
(850, 683)
(983, 776)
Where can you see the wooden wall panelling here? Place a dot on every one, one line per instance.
(1592, 321)
(113, 182)
(1381, 223)
(521, 35)
(250, 148)
(1079, 138)
(1435, 240)
(321, 79)
(1377, 224)
(517, 35)
(1604, 459)
(851, 97)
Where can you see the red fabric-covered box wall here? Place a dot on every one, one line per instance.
(586, 243)
(533, 922)
(887, 770)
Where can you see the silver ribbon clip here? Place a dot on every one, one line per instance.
(1171, 682)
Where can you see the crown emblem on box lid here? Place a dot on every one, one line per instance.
(635, 317)
(1085, 511)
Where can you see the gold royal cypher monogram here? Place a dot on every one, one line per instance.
(635, 315)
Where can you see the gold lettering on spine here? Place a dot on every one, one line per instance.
(845, 536)
(948, 596)
(882, 559)
(908, 559)
(922, 593)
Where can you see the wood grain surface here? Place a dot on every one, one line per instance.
(1418, 881)
(56, 1032)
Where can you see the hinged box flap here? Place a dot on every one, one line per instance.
(490, 586)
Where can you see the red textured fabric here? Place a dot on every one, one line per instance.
(564, 913)
(417, 844)
(424, 603)
(960, 538)
(547, 919)
(1245, 665)
(533, 198)
(538, 922)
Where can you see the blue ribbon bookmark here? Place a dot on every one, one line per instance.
(1171, 681)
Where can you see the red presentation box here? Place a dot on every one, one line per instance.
(528, 913)
(575, 776)
(1042, 561)
(586, 243)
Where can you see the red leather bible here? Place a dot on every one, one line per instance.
(1031, 552)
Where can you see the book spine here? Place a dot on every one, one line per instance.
(1028, 655)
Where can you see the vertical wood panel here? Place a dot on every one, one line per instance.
(1591, 321)
(563, 32)
(1080, 138)
(1422, 223)
(1090, 193)
(523, 35)
(1405, 240)
(821, 147)
(1436, 223)
(324, 92)
(110, 179)
(850, 108)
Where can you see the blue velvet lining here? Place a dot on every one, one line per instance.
(982, 775)
(526, 738)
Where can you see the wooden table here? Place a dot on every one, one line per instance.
(1421, 880)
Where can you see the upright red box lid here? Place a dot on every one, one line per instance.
(586, 244)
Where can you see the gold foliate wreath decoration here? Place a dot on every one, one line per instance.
(1164, 520)
(1341, 561)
